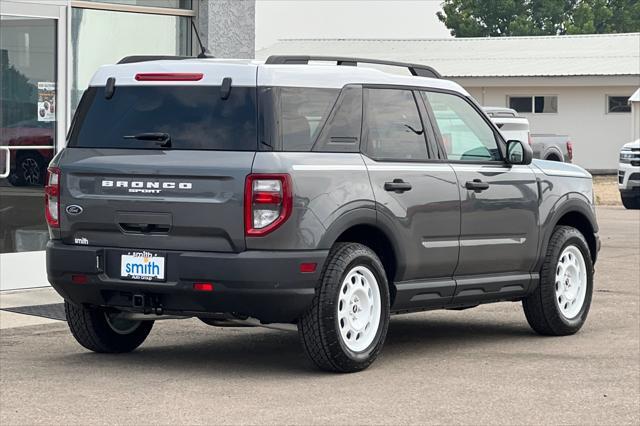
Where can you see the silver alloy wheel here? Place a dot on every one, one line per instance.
(119, 324)
(571, 282)
(30, 171)
(359, 308)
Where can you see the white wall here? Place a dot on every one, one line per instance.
(635, 125)
(596, 135)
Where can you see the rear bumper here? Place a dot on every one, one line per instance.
(267, 285)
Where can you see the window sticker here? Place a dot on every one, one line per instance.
(46, 101)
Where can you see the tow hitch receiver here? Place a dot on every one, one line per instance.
(147, 304)
(138, 301)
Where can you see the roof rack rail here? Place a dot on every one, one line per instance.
(146, 58)
(414, 69)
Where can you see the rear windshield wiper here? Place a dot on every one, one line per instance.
(162, 138)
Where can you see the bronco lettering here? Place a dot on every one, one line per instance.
(148, 187)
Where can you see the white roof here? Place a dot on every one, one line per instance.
(575, 55)
(243, 73)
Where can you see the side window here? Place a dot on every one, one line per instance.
(393, 127)
(341, 133)
(302, 113)
(466, 136)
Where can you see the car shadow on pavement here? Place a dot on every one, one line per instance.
(270, 352)
(416, 336)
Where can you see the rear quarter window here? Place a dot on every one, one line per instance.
(302, 113)
(195, 117)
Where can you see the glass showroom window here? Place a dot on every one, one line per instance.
(618, 104)
(28, 111)
(101, 37)
(534, 104)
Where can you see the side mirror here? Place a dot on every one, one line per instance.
(518, 152)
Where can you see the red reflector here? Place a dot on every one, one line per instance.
(79, 279)
(267, 198)
(203, 286)
(170, 76)
(308, 267)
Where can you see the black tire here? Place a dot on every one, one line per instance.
(553, 157)
(541, 307)
(631, 202)
(91, 329)
(319, 328)
(30, 170)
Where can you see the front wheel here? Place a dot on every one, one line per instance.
(105, 331)
(345, 328)
(560, 304)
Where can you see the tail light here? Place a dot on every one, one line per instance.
(267, 203)
(530, 139)
(52, 197)
(570, 150)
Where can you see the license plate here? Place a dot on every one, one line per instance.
(143, 266)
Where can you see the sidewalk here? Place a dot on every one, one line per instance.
(44, 299)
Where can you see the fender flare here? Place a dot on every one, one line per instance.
(553, 150)
(364, 216)
(570, 203)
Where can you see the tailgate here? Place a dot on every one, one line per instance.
(154, 199)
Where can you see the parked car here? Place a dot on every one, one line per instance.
(548, 147)
(28, 166)
(629, 175)
(319, 197)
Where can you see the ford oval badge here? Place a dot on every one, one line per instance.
(74, 209)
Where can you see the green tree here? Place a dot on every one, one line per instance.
(484, 18)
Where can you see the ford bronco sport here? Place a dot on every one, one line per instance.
(307, 191)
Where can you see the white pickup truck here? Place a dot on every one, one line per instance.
(629, 175)
(515, 127)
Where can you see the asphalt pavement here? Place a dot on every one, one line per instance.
(478, 366)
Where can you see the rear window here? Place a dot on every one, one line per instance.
(194, 117)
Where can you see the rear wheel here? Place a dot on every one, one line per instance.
(345, 328)
(105, 331)
(631, 202)
(560, 304)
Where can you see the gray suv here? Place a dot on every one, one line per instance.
(308, 192)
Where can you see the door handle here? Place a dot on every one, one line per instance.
(397, 186)
(476, 185)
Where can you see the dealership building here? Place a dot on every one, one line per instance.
(570, 85)
(48, 51)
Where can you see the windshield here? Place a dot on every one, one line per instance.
(193, 117)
